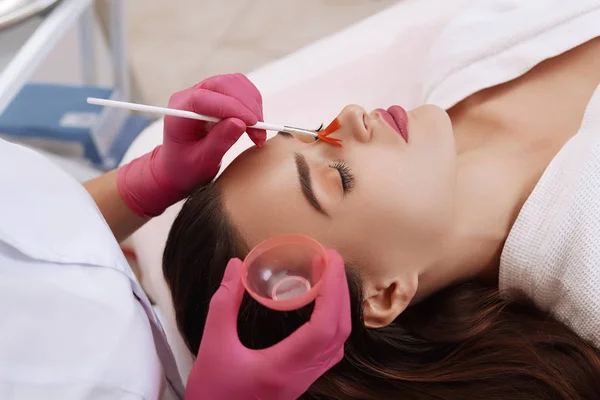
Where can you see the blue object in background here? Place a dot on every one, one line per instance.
(57, 118)
(130, 130)
(55, 113)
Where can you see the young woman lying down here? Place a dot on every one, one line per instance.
(433, 218)
(468, 225)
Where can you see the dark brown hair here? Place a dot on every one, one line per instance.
(465, 342)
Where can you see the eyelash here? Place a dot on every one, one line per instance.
(319, 129)
(345, 175)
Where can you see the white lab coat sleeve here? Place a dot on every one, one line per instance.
(74, 321)
(72, 333)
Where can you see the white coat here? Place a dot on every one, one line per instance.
(74, 321)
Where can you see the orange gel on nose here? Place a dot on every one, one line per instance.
(332, 127)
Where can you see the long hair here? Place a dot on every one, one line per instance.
(468, 341)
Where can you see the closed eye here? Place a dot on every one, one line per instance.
(345, 175)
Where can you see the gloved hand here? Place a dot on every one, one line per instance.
(225, 369)
(192, 150)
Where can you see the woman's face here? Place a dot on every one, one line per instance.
(383, 201)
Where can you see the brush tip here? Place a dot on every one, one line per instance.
(332, 127)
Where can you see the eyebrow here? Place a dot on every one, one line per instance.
(306, 183)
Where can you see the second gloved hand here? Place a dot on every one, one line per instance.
(192, 150)
(225, 369)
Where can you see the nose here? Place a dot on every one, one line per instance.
(352, 124)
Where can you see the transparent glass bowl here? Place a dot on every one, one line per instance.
(284, 272)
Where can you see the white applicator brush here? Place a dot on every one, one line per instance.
(189, 114)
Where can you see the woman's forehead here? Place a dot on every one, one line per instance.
(258, 168)
(270, 154)
(261, 194)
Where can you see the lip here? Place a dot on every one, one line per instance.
(397, 118)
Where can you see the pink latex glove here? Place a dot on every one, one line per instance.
(225, 369)
(192, 150)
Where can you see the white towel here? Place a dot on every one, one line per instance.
(495, 41)
(553, 250)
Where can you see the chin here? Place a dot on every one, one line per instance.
(430, 122)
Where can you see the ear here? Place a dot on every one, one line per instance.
(384, 301)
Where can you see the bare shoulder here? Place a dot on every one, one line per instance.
(546, 104)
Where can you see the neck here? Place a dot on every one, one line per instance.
(496, 173)
(505, 140)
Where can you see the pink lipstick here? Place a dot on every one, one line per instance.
(397, 118)
(401, 119)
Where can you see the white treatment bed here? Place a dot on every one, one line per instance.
(375, 63)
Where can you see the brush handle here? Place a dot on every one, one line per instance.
(188, 114)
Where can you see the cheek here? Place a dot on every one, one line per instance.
(398, 209)
(423, 203)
